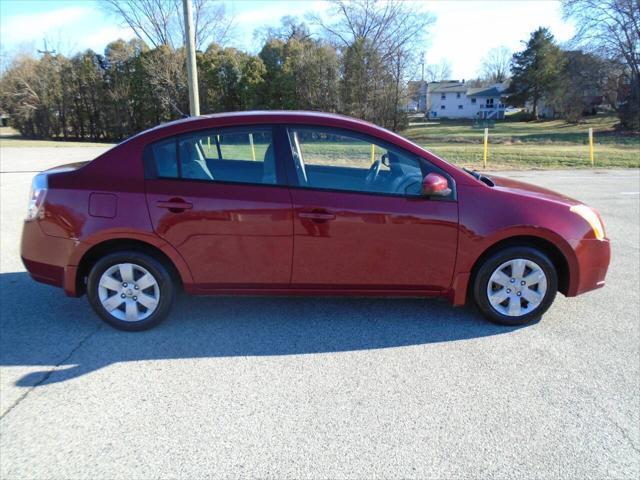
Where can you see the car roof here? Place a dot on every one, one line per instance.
(270, 115)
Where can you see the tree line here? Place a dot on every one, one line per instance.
(358, 65)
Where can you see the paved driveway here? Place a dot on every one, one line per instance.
(322, 388)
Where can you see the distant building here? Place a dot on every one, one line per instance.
(454, 99)
(418, 95)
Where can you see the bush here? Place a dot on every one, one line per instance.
(629, 112)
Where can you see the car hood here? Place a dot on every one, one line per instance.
(527, 189)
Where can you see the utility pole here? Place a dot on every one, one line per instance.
(46, 51)
(192, 69)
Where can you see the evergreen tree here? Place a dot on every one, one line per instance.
(535, 70)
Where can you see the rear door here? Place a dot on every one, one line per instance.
(220, 198)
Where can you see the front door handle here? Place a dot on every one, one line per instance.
(175, 205)
(318, 217)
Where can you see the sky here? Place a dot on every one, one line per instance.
(464, 31)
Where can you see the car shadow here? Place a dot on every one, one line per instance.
(40, 326)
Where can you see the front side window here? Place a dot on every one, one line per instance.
(224, 155)
(342, 160)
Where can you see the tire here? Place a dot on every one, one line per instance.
(141, 304)
(526, 297)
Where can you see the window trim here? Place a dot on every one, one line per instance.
(424, 164)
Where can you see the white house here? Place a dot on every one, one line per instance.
(454, 99)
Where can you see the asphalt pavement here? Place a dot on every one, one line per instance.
(322, 387)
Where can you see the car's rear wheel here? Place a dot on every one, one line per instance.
(515, 286)
(130, 290)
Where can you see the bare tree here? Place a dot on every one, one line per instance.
(380, 43)
(389, 27)
(290, 28)
(610, 28)
(496, 65)
(211, 22)
(167, 76)
(437, 72)
(159, 22)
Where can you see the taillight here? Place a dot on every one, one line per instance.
(36, 196)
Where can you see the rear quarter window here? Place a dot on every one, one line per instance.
(165, 157)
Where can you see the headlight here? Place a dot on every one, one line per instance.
(591, 218)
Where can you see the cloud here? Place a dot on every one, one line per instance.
(67, 30)
(26, 27)
(465, 31)
(102, 37)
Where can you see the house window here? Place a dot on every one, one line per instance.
(441, 107)
(473, 100)
(443, 97)
(459, 107)
(489, 102)
(458, 95)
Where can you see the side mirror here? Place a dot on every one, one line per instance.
(435, 185)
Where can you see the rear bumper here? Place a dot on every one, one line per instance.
(46, 257)
(593, 258)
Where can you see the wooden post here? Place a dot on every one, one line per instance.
(593, 163)
(253, 149)
(486, 147)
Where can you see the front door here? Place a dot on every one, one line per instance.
(360, 222)
(220, 199)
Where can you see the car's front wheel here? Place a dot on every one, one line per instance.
(515, 286)
(130, 290)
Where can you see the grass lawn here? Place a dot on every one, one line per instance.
(512, 145)
(542, 144)
(10, 138)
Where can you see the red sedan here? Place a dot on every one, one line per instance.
(301, 203)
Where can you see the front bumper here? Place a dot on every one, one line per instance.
(593, 257)
(46, 258)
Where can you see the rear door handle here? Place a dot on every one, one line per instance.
(174, 205)
(317, 216)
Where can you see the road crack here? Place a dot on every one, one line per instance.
(48, 374)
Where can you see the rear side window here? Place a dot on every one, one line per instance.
(165, 158)
(239, 155)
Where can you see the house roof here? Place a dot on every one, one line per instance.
(492, 91)
(448, 86)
